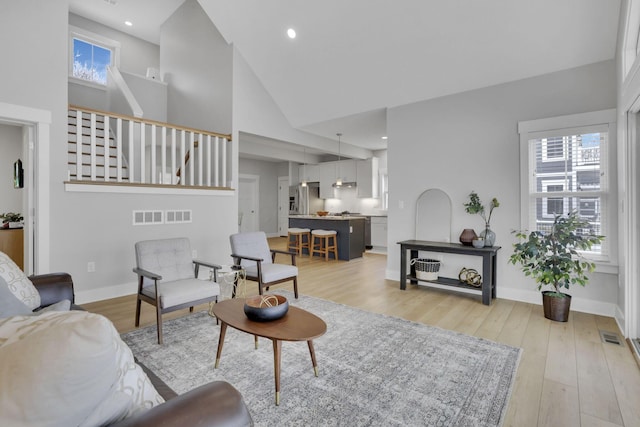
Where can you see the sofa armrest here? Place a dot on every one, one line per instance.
(53, 287)
(214, 404)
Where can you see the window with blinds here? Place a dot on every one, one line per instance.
(568, 172)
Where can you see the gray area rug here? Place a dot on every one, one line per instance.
(374, 370)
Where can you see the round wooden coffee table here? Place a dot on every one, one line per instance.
(296, 325)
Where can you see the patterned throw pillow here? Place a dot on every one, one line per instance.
(92, 379)
(18, 282)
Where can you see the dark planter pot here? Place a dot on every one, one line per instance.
(556, 308)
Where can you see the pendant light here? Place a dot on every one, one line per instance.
(304, 168)
(338, 183)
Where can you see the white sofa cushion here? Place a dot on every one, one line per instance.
(273, 272)
(18, 282)
(68, 368)
(182, 291)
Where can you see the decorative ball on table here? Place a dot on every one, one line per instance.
(264, 308)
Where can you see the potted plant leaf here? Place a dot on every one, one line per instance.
(11, 220)
(552, 258)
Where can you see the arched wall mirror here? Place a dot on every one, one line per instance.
(433, 216)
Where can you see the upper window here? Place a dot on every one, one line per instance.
(90, 55)
(565, 168)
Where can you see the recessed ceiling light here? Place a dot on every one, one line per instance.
(384, 137)
(128, 23)
(291, 33)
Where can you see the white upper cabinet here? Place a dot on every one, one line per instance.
(367, 178)
(310, 173)
(328, 175)
(348, 170)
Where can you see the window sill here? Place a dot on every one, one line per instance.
(604, 267)
(87, 83)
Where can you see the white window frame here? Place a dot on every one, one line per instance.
(545, 184)
(96, 39)
(538, 129)
(546, 158)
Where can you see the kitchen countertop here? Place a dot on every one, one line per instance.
(330, 217)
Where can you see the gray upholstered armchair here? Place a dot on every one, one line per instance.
(252, 252)
(168, 278)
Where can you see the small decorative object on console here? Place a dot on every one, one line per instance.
(264, 308)
(467, 236)
(478, 243)
(471, 277)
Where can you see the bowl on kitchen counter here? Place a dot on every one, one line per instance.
(322, 213)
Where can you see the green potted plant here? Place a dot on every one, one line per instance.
(552, 258)
(11, 220)
(475, 206)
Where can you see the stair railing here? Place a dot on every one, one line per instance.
(145, 152)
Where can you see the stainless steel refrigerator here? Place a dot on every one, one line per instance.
(305, 200)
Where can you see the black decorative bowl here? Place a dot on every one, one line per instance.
(264, 308)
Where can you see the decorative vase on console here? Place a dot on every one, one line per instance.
(488, 235)
(475, 206)
(467, 236)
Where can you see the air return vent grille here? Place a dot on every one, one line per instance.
(610, 338)
(147, 217)
(178, 217)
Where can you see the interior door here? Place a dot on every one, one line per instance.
(248, 193)
(283, 205)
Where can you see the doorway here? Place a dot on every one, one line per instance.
(283, 205)
(248, 206)
(35, 137)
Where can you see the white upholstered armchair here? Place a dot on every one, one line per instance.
(252, 252)
(168, 278)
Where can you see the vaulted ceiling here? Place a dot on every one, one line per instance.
(353, 59)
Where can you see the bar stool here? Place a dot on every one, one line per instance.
(296, 241)
(323, 245)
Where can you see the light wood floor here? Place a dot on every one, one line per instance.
(566, 376)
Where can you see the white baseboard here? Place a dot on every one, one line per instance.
(533, 297)
(620, 320)
(106, 292)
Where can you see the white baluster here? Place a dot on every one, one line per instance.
(93, 147)
(119, 149)
(143, 170)
(79, 139)
(216, 162)
(173, 155)
(192, 157)
(163, 155)
(183, 173)
(224, 163)
(107, 148)
(132, 162)
(153, 153)
(208, 161)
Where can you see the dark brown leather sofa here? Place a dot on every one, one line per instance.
(214, 404)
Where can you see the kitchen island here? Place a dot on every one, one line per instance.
(350, 229)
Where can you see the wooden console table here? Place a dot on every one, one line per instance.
(488, 265)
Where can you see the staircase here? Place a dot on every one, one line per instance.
(80, 154)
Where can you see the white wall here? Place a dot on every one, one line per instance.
(136, 55)
(10, 151)
(92, 226)
(196, 63)
(469, 141)
(255, 112)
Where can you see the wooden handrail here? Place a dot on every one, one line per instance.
(148, 121)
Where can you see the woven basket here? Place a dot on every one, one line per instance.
(426, 268)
